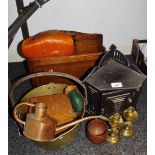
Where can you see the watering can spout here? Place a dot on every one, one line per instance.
(62, 127)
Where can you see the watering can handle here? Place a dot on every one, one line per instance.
(34, 75)
(15, 111)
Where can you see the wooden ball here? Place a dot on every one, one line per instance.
(97, 139)
(96, 127)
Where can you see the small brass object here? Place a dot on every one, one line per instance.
(130, 114)
(113, 136)
(127, 129)
(116, 120)
(130, 100)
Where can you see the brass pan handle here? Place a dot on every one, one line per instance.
(40, 74)
(15, 111)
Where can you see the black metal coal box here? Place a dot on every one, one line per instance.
(113, 85)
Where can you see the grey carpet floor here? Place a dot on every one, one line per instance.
(136, 145)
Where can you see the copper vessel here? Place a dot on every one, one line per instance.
(41, 127)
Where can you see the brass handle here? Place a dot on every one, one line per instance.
(15, 111)
(40, 74)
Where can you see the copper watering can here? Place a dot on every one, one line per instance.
(40, 127)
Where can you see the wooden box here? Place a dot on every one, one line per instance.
(87, 43)
(88, 49)
(76, 65)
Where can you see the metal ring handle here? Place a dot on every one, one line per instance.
(15, 111)
(34, 75)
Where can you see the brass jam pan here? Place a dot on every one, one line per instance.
(66, 137)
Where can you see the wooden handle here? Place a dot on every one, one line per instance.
(15, 111)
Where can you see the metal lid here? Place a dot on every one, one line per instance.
(115, 76)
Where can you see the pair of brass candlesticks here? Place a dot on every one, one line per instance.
(121, 125)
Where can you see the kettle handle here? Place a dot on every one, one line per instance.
(15, 111)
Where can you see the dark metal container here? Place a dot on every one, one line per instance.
(113, 85)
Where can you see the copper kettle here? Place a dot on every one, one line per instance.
(40, 127)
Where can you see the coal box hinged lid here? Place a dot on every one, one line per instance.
(115, 76)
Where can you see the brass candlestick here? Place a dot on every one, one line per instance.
(116, 120)
(130, 114)
(113, 136)
(127, 129)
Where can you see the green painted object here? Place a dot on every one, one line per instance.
(76, 100)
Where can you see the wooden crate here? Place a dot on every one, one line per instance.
(76, 65)
(138, 55)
